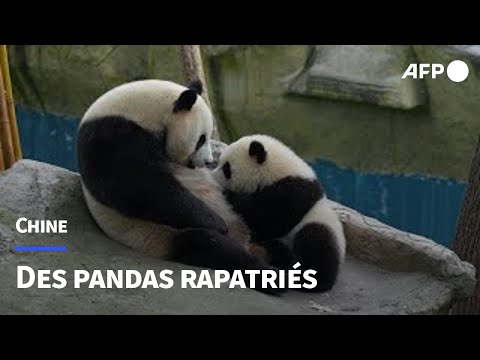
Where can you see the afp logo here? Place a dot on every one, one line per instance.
(457, 71)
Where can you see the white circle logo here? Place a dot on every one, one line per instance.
(457, 71)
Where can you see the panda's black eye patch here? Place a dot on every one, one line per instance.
(200, 142)
(227, 171)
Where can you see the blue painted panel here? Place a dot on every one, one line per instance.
(418, 204)
(48, 137)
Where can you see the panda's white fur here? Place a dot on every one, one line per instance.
(149, 104)
(247, 176)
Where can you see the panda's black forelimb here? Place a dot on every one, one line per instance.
(273, 211)
(125, 167)
(279, 254)
(210, 249)
(314, 247)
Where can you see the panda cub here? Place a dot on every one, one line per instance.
(279, 196)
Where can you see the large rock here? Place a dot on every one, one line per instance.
(387, 271)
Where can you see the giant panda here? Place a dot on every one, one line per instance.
(142, 150)
(280, 197)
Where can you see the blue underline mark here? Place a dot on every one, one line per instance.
(40, 248)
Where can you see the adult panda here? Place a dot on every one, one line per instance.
(137, 146)
(279, 196)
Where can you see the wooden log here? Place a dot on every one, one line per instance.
(467, 237)
(192, 64)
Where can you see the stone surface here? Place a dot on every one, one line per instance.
(416, 277)
(374, 242)
(363, 73)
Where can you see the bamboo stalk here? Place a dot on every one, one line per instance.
(5, 133)
(2, 163)
(193, 70)
(10, 103)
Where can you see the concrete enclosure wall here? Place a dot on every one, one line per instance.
(251, 90)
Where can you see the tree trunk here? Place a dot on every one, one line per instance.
(467, 238)
(5, 133)
(193, 70)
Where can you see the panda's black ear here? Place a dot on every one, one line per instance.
(196, 85)
(257, 151)
(185, 101)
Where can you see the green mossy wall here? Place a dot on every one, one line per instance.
(248, 86)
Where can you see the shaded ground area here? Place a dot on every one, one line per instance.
(40, 191)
